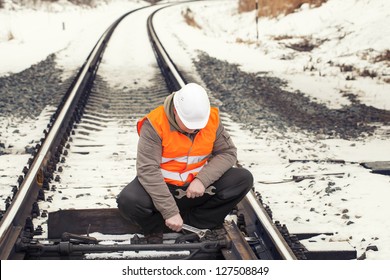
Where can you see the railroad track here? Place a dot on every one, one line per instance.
(64, 206)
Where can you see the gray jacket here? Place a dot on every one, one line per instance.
(224, 156)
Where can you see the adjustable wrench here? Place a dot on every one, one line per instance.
(199, 232)
(180, 193)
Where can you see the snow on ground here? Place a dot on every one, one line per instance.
(345, 35)
(352, 204)
(67, 30)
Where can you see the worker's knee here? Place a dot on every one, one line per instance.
(241, 178)
(247, 179)
(125, 198)
(236, 182)
(133, 200)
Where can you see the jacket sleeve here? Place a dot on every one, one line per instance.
(148, 171)
(224, 156)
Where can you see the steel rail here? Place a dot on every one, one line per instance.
(45, 150)
(13, 221)
(281, 246)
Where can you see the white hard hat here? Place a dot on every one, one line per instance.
(192, 105)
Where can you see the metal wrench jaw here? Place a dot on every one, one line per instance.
(201, 233)
(181, 193)
(210, 190)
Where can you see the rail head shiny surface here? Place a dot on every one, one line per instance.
(273, 232)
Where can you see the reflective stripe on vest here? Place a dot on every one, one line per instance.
(182, 158)
(186, 159)
(180, 177)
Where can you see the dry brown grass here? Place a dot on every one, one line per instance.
(273, 8)
(246, 42)
(189, 18)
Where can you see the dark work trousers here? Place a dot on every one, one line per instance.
(208, 211)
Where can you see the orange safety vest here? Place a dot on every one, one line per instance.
(182, 158)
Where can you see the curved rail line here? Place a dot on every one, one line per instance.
(254, 236)
(18, 214)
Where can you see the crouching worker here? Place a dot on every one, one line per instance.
(183, 146)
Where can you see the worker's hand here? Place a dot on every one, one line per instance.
(174, 223)
(195, 189)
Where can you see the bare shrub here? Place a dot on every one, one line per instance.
(367, 73)
(282, 37)
(385, 56)
(346, 68)
(304, 46)
(247, 41)
(90, 3)
(10, 36)
(189, 18)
